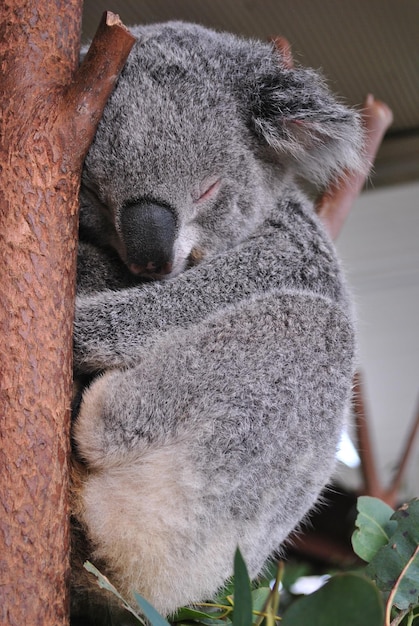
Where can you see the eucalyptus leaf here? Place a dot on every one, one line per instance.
(260, 597)
(104, 583)
(374, 527)
(242, 615)
(346, 600)
(150, 612)
(187, 613)
(396, 565)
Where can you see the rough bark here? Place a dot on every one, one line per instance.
(48, 115)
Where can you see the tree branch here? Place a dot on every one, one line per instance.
(393, 491)
(95, 79)
(372, 484)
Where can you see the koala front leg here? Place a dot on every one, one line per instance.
(223, 435)
(112, 327)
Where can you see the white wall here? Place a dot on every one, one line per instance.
(380, 249)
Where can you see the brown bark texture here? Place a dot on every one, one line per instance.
(49, 110)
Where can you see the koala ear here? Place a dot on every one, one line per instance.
(295, 113)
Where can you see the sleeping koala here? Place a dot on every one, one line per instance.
(213, 307)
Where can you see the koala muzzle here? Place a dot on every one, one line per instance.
(148, 231)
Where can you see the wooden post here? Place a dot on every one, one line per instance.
(49, 110)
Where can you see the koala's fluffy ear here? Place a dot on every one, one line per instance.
(295, 113)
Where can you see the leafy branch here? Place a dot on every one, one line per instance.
(389, 541)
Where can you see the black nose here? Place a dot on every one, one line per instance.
(148, 230)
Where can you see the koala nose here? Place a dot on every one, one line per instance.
(148, 231)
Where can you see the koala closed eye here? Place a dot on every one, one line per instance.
(208, 190)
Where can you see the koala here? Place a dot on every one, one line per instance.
(212, 319)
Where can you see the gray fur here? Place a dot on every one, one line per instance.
(238, 370)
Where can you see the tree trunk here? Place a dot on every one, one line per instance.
(49, 110)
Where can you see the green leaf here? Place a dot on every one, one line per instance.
(374, 527)
(104, 583)
(260, 597)
(346, 600)
(186, 613)
(150, 612)
(242, 615)
(395, 567)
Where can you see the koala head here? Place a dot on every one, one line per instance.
(198, 141)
